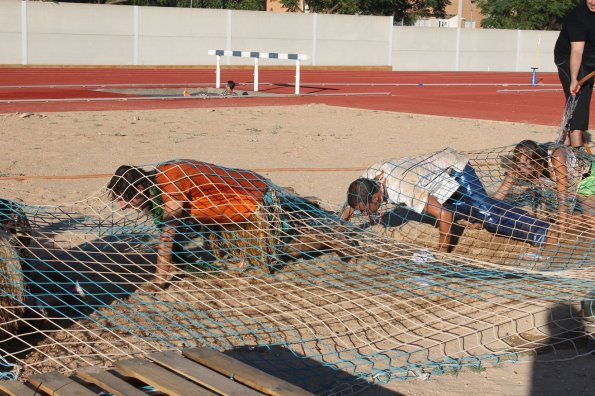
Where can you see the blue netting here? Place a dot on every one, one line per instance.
(293, 289)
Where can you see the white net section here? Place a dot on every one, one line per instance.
(282, 282)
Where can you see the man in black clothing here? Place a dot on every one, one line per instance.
(574, 55)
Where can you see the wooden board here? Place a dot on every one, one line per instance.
(200, 374)
(241, 372)
(16, 388)
(56, 384)
(159, 377)
(108, 381)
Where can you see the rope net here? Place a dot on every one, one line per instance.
(282, 282)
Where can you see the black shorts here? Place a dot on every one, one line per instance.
(580, 117)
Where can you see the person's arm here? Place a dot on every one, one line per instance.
(445, 218)
(505, 187)
(346, 212)
(561, 173)
(576, 58)
(172, 211)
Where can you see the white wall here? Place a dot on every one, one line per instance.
(11, 50)
(44, 33)
(270, 32)
(352, 40)
(64, 33)
(424, 49)
(178, 36)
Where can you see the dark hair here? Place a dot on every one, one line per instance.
(125, 181)
(231, 84)
(536, 153)
(361, 190)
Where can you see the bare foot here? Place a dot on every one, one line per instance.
(160, 282)
(151, 287)
(553, 235)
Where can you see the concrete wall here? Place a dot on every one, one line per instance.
(343, 39)
(74, 34)
(270, 32)
(424, 49)
(45, 33)
(178, 36)
(10, 32)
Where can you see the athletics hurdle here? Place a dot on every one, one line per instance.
(257, 55)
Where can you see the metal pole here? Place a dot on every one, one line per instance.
(459, 13)
(255, 74)
(458, 36)
(297, 77)
(218, 73)
(24, 34)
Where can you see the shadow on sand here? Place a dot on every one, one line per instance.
(566, 364)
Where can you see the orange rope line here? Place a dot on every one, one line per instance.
(106, 175)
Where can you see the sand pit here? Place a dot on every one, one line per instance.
(341, 318)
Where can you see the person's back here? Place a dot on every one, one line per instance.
(410, 180)
(574, 56)
(578, 25)
(443, 185)
(214, 194)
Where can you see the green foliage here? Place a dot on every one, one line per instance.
(406, 11)
(292, 5)
(524, 14)
(402, 10)
(256, 5)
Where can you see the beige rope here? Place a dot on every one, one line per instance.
(106, 175)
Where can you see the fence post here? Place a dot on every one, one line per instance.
(218, 73)
(255, 74)
(24, 34)
(297, 76)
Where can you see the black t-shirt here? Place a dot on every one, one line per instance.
(579, 25)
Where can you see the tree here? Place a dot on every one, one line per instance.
(256, 5)
(524, 14)
(292, 5)
(402, 10)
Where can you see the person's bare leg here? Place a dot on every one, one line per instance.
(319, 242)
(553, 235)
(161, 279)
(587, 204)
(575, 138)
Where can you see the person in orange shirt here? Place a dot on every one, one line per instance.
(180, 193)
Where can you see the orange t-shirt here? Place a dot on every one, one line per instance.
(211, 194)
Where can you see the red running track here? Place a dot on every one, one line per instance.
(481, 95)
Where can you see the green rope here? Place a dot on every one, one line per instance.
(156, 210)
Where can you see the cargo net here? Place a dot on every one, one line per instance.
(288, 287)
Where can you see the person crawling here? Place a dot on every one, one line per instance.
(238, 211)
(444, 185)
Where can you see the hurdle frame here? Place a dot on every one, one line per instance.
(256, 56)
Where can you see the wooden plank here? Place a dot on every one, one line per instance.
(200, 374)
(16, 388)
(108, 382)
(159, 377)
(56, 384)
(241, 372)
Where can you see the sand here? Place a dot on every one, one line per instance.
(280, 142)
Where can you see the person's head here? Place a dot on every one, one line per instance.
(364, 195)
(230, 86)
(591, 5)
(130, 187)
(530, 160)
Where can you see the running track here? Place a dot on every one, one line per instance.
(482, 95)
